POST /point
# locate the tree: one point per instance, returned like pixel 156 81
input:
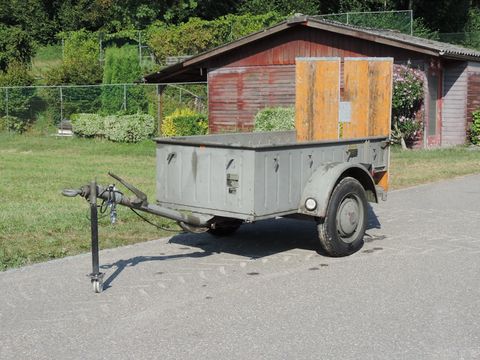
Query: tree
pixel 81 66
pixel 446 16
pixel 15 46
pixel 283 7
pixel 362 5
pixel 16 100
pixel 122 67
pixel 81 60
pixel 198 35
pixel 212 9
pixel 29 15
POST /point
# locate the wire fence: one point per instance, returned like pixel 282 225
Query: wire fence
pixel 53 104
pixel 401 20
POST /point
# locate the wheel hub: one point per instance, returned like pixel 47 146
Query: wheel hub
pixel 348 217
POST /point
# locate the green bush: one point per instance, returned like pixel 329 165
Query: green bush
pixel 275 119
pixel 122 67
pixel 19 99
pixel 43 125
pixel 88 125
pixel 129 128
pixel 475 128
pixel 120 128
pixel 197 35
pixel 81 64
pixel 185 122
pixel 13 123
pixel 16 45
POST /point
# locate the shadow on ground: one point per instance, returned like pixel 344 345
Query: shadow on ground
pixel 263 238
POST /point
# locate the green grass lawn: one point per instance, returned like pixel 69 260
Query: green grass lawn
pixel 409 168
pixel 37 223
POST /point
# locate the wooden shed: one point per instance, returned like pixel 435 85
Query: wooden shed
pixel 258 71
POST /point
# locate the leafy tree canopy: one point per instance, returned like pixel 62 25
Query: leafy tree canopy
pixel 197 35
pixel 81 63
pixel 15 46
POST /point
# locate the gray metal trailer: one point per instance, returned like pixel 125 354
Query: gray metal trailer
pixel 217 182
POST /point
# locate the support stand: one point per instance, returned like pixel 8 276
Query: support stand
pixel 96 276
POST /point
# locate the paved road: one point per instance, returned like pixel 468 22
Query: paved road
pixel 412 292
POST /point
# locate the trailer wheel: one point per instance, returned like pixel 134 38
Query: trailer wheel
pixel 97 286
pixel 342 229
pixel 225 227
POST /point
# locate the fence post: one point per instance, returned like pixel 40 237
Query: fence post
pixel 124 97
pixel 411 22
pixel 61 104
pixel 6 101
pixel 160 89
pixel 139 48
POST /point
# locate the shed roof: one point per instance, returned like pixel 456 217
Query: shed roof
pixel 191 69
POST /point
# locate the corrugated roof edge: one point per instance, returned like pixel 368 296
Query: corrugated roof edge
pixel 441 47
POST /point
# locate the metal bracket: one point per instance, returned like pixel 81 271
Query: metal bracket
pixel 141 196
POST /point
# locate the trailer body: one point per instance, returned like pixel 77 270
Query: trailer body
pixel 255 176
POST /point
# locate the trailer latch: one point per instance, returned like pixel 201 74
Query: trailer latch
pixel 232 183
pixel 352 151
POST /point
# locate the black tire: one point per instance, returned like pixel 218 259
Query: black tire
pixel 342 229
pixel 225 227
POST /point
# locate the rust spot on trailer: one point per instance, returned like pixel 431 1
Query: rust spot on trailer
pixel 382 180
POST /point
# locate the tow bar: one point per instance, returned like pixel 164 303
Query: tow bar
pixel 113 197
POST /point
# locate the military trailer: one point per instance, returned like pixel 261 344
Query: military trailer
pixel 215 183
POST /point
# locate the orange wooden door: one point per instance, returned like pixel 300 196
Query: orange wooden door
pixel 317 98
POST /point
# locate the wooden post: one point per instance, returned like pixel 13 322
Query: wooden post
pixel 160 89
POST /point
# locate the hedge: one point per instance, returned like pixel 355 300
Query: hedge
pixel 184 122
pixel 88 125
pixel 275 119
pixel 120 128
pixel 129 128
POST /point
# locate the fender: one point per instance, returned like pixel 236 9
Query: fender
pixel 322 182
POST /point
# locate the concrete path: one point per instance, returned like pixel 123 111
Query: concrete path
pixel 412 292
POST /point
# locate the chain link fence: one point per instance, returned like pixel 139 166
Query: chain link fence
pixel 54 104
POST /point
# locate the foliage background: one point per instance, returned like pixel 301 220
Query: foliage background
pixel 275 119
pixel 76 42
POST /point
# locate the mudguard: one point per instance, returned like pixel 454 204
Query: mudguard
pixel 322 182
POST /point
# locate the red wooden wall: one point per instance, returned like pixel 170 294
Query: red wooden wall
pixel 236 94
pixel 262 73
